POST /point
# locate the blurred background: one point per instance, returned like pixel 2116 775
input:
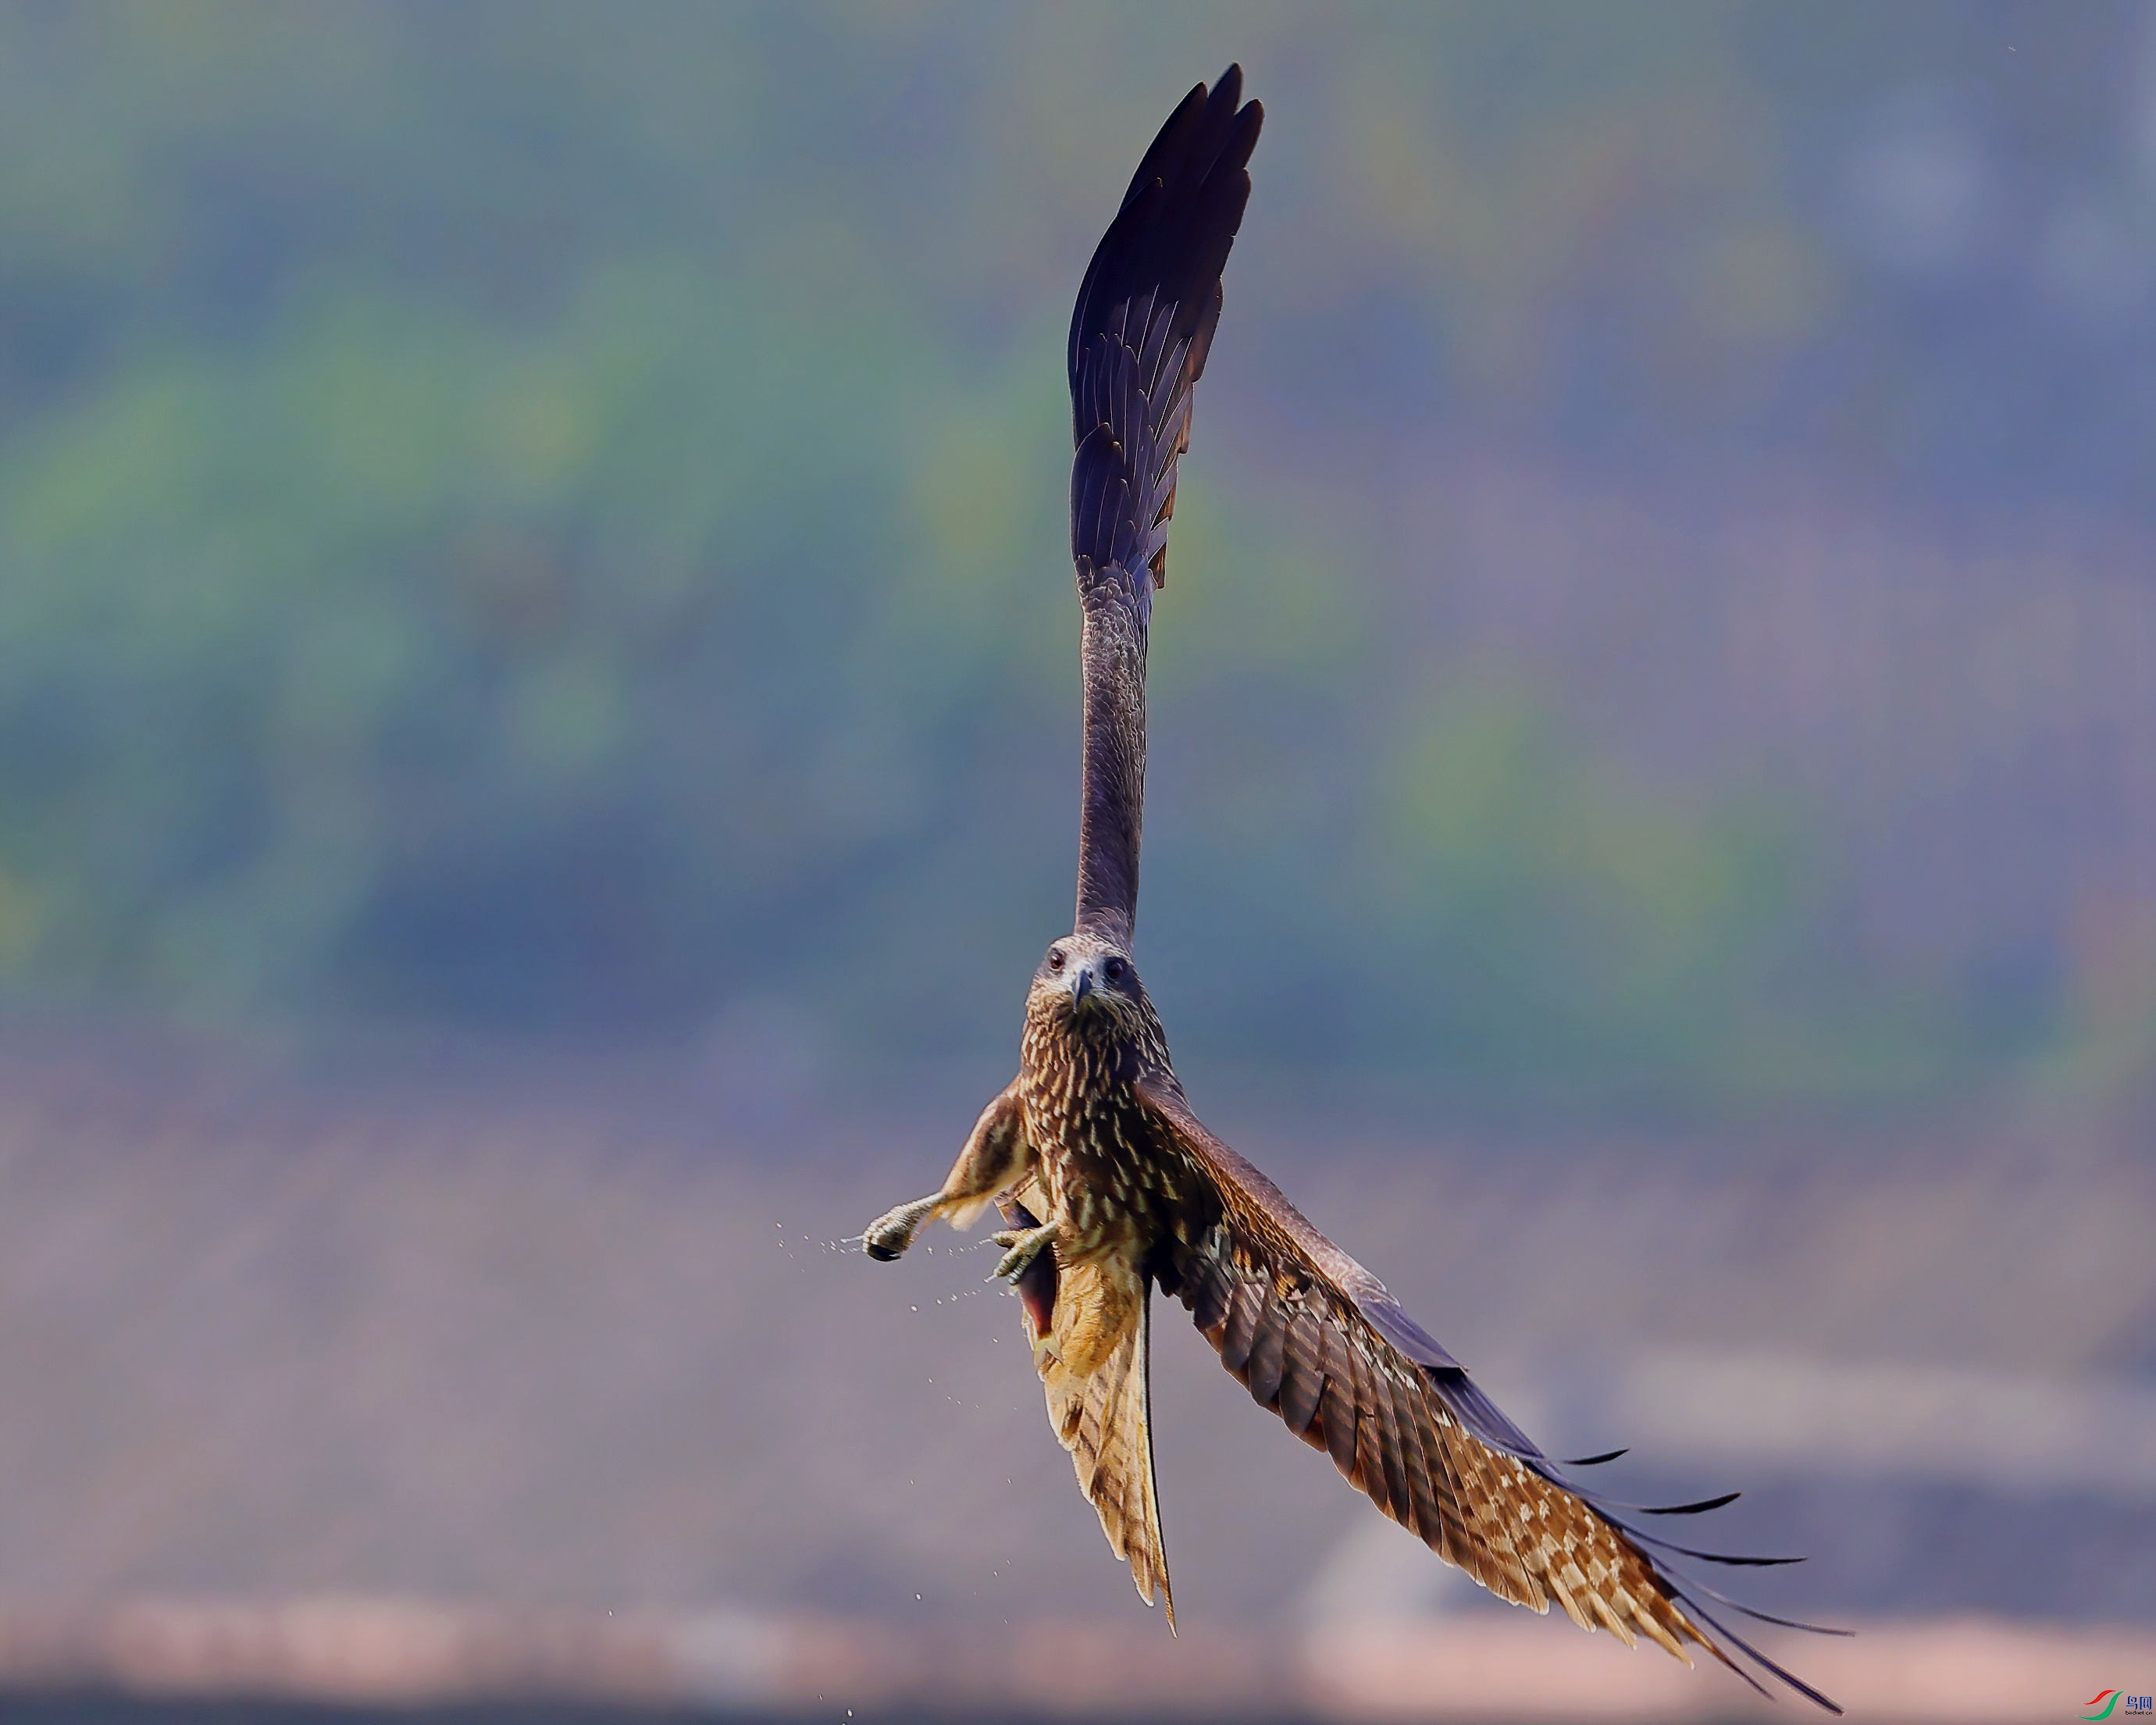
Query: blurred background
pixel 538 748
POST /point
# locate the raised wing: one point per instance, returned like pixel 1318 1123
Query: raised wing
pixel 1316 1338
pixel 1139 335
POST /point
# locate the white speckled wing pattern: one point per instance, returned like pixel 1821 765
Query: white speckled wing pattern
pixel 1315 1337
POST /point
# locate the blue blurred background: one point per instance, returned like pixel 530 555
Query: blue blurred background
pixel 549 519
pixel 532 572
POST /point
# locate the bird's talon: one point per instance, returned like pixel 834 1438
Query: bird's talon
pixel 892 1232
pixel 1025 1245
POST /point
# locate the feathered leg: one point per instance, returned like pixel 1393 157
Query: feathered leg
pixel 997 1157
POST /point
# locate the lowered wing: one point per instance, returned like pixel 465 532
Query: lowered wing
pixel 1316 1338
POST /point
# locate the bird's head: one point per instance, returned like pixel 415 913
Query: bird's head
pixel 1087 984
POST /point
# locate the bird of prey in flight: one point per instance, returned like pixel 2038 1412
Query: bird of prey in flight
pixel 1109 1184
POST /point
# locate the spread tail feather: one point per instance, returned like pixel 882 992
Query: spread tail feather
pixel 1103 1418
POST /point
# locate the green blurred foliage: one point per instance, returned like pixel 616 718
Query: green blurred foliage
pixel 549 515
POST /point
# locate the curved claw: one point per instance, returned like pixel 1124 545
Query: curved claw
pixel 1025 1245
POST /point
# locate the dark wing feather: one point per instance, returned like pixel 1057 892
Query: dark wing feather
pixel 1313 1333
pixel 1139 335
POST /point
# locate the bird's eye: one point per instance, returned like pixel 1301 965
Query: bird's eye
pixel 1116 967
pixel 1055 958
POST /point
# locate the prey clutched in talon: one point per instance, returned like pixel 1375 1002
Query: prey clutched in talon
pixel 892 1232
pixel 1025 1245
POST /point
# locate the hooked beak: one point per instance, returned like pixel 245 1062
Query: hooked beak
pixel 1081 985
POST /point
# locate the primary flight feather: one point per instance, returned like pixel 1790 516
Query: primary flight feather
pixel 1110 1185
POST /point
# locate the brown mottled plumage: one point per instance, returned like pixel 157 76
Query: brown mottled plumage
pixel 1094 1135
